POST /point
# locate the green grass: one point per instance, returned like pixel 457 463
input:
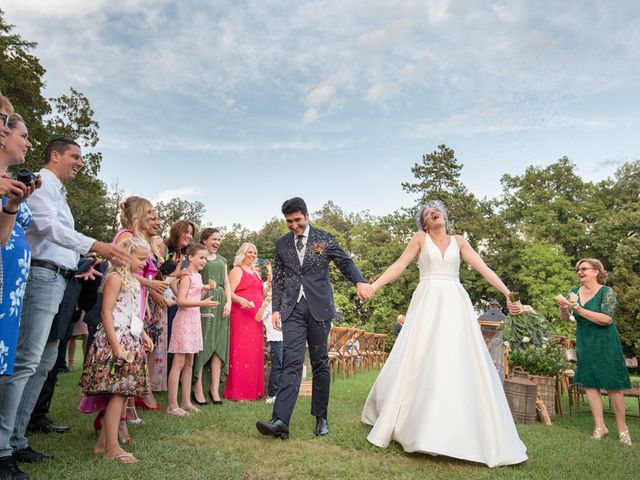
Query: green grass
pixel 221 442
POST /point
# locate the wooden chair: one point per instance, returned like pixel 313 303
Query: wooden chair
pixel 335 345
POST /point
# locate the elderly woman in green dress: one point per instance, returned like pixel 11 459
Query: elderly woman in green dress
pixel 601 362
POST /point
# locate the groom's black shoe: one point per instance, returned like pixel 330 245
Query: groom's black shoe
pixel 322 427
pixel 274 428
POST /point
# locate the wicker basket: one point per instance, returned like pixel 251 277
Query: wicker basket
pixel 547 392
pixel 521 396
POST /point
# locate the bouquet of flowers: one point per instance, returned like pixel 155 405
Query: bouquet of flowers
pixel 526 328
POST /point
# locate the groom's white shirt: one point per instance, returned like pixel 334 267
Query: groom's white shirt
pixel 305 237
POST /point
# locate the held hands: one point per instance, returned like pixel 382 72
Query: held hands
pixel 365 291
pixel 147 343
pixel 244 303
pixel 275 321
pixel 208 303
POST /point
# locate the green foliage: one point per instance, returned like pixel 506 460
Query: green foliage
pixel 179 209
pixel 547 360
pixel 544 271
pixel 22 80
pixel 527 328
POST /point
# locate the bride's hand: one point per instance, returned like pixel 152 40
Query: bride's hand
pixel 514 308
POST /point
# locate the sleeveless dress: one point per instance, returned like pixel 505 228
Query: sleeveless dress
pixel 186 336
pixel 600 357
pixel 215 327
pixel 439 391
pixel 103 373
pixel 16 258
pixel 246 343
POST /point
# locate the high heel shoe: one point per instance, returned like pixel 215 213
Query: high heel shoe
pixel 625 438
pixel 195 400
pixel 139 402
pixel 215 402
pixel 599 433
pixel 132 414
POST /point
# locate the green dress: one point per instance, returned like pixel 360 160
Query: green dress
pixel 600 358
pixel 215 327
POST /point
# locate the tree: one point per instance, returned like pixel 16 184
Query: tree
pixel 179 209
pixel 21 79
pixel 551 204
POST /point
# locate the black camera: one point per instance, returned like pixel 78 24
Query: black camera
pixel 168 267
pixel 26 176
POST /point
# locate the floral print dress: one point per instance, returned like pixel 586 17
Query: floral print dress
pixel 16 258
pixel 104 374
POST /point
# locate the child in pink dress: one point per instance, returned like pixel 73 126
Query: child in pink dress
pixel 186 335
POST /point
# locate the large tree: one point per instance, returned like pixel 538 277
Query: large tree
pixel 70 115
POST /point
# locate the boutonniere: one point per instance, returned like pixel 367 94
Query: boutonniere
pixel 318 247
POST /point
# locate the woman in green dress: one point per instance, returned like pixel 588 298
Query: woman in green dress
pixel 211 364
pixel 601 362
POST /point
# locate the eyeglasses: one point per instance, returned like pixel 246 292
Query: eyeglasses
pixel 584 269
pixel 4 120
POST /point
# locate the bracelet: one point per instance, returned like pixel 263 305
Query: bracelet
pixel 9 212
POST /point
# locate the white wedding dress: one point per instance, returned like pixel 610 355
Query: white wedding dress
pixel 439 391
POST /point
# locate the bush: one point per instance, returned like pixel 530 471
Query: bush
pixel 547 360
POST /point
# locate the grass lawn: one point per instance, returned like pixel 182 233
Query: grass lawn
pixel 221 442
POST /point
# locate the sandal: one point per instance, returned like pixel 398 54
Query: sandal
pixel 190 408
pixel 123 457
pixel 599 433
pixel 132 414
pixel 177 412
pixel 625 438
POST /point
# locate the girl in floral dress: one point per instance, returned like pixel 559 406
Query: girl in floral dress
pixel 116 365
pixel 186 337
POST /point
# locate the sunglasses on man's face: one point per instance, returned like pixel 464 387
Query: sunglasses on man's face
pixel 4 120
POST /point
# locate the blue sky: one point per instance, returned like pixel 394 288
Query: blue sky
pixel 242 104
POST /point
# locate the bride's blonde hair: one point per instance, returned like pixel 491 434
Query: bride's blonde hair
pixel 128 280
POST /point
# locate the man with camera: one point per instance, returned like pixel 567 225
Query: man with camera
pixel 55 251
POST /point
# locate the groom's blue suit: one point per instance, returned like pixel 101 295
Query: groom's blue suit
pixel 309 319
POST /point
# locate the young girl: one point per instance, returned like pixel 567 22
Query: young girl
pixel 116 364
pixel 186 335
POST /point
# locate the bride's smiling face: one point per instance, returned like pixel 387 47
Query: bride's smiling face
pixel 433 218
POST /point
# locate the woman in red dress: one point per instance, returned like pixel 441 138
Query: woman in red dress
pixel 246 343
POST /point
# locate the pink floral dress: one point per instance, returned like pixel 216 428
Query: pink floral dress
pixel 186 334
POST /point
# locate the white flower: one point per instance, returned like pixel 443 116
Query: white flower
pixel 526 339
pixel 506 343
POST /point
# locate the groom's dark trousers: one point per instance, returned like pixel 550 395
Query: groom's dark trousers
pixel 298 328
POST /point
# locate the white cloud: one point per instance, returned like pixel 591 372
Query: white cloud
pixel 181 192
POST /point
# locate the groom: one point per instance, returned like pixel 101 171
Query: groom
pixel 303 308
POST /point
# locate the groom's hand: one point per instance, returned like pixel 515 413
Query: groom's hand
pixel 275 321
pixel 365 291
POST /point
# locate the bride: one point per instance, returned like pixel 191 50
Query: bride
pixel 439 391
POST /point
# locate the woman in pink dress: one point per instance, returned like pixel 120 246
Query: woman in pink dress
pixel 246 343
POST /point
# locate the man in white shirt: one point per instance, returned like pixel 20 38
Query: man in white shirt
pixel 55 252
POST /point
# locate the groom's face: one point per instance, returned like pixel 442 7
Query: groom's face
pixel 297 222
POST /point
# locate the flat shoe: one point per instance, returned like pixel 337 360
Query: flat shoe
pixel 125 458
pixel 177 412
pixel 190 408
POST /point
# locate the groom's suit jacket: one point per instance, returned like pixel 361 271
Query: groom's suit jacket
pixel 313 274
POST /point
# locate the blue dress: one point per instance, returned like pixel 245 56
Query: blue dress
pixel 16 259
